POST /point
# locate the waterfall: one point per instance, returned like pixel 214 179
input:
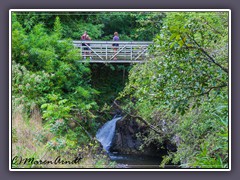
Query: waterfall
pixel 106 133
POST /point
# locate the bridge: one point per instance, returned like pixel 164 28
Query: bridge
pixel 105 52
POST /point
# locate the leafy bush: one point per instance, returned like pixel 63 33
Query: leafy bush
pixel 182 91
pixel 46 73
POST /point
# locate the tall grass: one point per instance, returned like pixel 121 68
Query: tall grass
pixel 29 140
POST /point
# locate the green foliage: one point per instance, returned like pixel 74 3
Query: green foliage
pixel 181 73
pixel 48 57
pixel 109 80
pixel 56 144
pixel 99 25
pixel 204 132
pixel 72 25
pixel 58 28
pixel 147 25
pixel 183 89
pixel 18 37
pixel 76 29
pixel 46 73
pixel 122 22
pixel 14 135
pixel 29 87
pixel 56 109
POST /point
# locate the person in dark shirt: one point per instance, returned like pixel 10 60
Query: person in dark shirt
pixel 115 45
pixel 88 46
pixel 85 48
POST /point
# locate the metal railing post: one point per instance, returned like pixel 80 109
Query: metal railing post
pixel 106 50
pixel 131 52
pixel 81 51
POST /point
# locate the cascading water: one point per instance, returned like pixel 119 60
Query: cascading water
pixel 106 133
pixel 105 136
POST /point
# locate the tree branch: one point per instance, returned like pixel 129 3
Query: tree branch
pixel 140 118
pixel 89 135
pixel 206 54
pixel 212 28
pixel 209 90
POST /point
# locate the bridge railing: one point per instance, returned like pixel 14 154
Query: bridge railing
pixel 104 51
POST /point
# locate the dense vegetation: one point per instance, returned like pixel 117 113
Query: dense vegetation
pixel 182 90
pixel 100 25
pixel 47 78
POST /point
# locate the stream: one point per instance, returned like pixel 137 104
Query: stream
pixel 135 161
pixel 105 136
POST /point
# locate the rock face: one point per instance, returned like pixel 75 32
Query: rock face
pixel 125 140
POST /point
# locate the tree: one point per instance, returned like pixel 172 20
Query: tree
pixel 186 85
pixel 147 26
pixel 46 72
pixel 191 60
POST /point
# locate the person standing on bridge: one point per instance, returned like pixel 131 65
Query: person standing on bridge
pixel 115 45
pixel 88 46
pixel 85 48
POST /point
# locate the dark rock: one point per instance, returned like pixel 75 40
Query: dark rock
pixel 130 129
pixel 118 140
pixel 126 141
pixel 130 143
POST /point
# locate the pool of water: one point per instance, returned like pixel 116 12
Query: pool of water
pixel 136 161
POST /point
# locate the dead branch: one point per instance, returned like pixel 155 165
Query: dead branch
pixel 88 134
pixel 138 117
